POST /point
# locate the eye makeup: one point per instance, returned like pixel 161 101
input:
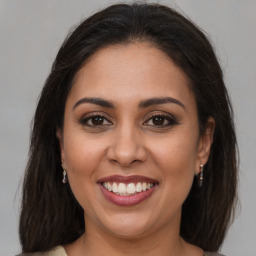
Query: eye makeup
pixel 95 120
pixel 154 120
pixel 160 120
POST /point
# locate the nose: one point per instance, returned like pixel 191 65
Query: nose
pixel 127 147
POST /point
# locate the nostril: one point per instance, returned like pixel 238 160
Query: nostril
pixel 126 157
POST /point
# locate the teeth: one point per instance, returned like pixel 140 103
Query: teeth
pixel 127 189
pixel 130 189
pixel 121 188
pixel 109 187
pixel 114 187
pixel 138 187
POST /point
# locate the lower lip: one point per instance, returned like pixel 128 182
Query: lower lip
pixel 127 200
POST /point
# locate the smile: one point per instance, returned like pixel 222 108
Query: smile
pixel 127 190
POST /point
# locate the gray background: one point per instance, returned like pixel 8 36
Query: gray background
pixel 30 35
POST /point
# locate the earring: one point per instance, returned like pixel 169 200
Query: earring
pixel 65 179
pixel 201 176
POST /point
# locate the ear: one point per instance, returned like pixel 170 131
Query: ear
pixel 59 135
pixel 204 144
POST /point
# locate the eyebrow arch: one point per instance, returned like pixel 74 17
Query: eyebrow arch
pixel 96 101
pixel 158 101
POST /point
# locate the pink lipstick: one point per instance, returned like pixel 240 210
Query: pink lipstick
pixel 127 190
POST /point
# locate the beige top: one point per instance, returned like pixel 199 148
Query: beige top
pixel 56 251
pixel 60 251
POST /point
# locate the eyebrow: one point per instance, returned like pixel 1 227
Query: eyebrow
pixel 159 101
pixel 143 104
pixel 96 101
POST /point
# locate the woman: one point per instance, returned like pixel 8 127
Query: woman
pixel 133 149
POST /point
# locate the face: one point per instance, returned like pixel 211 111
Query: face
pixel 130 142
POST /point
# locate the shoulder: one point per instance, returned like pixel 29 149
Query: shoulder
pixel 56 251
pixel 213 254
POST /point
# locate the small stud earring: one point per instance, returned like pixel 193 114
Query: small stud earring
pixel 65 179
pixel 201 176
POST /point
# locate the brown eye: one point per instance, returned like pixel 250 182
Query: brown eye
pixel 158 120
pixel 95 121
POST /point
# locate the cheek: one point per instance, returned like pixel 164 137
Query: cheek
pixel 176 157
pixel 176 151
pixel 83 153
pixel 82 156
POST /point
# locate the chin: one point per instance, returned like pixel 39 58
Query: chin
pixel 128 232
pixel 127 226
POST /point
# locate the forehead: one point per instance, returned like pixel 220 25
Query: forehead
pixel 131 71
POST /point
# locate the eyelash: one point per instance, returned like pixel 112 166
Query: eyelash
pixel 171 121
pixel 88 118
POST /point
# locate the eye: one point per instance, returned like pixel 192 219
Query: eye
pixel 95 120
pixel 160 120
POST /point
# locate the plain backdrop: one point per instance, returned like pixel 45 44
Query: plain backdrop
pixel 31 33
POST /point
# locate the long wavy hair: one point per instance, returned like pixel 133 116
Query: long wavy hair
pixel 50 215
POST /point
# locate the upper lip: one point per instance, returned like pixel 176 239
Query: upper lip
pixel 127 179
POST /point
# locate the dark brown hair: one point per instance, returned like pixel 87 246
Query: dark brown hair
pixel 50 215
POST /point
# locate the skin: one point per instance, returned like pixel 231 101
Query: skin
pixel 129 142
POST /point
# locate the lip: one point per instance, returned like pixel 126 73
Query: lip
pixel 127 200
